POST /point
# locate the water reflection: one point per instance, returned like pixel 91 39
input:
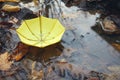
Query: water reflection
pixel 44 54
pixel 91 50
pixel 83 47
pixel 113 39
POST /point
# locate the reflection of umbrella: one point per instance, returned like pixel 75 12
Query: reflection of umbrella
pixel 40 32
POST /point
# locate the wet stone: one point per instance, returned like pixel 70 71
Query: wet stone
pixel 23 75
pixel 3 16
pixel 23 14
pixel 5 39
pixel 111 24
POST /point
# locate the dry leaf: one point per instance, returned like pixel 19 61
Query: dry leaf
pixel 20 51
pixel 117 46
pixel 10 8
pixel 36 3
pixel 4 63
pixel 9 0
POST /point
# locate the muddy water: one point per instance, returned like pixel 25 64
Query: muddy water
pixel 80 45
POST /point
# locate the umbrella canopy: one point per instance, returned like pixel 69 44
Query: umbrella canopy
pixel 41 31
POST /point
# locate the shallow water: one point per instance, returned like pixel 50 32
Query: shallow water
pixel 80 51
pixel 81 45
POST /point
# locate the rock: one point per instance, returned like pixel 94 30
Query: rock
pixel 5 40
pixel 10 8
pixel 3 16
pixel 8 39
pixel 110 24
pixel 23 14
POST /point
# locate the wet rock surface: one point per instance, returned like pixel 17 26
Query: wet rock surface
pixel 110 24
pixel 58 70
pixel 5 35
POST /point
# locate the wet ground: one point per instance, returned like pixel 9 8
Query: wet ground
pixel 82 47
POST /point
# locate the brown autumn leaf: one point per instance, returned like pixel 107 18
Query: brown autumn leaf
pixel 20 51
pixel 4 63
pixel 117 46
pixel 9 0
pixel 36 3
pixel 10 8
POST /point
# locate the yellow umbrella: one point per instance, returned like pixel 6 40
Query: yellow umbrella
pixel 40 32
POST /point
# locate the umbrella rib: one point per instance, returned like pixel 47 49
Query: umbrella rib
pixel 40 27
pixel 35 43
pixel 50 31
pixel 26 37
pixel 57 34
pixel 30 30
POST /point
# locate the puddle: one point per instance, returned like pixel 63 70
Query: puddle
pixel 82 46
pixel 45 54
pixel 112 39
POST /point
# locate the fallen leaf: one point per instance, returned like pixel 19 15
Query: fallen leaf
pixel 9 0
pixel 4 63
pixel 10 8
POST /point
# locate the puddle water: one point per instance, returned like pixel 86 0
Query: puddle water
pixel 80 45
pixel 92 51
pixel 44 54
pixel 112 39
